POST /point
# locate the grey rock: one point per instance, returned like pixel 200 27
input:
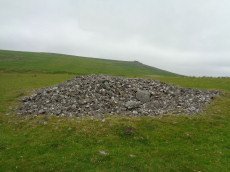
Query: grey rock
pixel 104 153
pixel 132 104
pixel 41 111
pixel 143 96
pixel 99 95
pixel 135 112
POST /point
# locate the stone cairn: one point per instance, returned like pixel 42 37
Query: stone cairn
pixel 99 95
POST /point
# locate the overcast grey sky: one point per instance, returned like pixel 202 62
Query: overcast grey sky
pixel 189 37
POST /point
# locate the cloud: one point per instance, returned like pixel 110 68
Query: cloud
pixel 187 37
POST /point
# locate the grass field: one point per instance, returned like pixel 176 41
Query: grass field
pixel 166 143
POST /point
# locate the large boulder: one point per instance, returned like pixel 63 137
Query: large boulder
pixel 143 96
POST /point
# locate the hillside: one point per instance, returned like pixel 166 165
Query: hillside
pixel 59 63
pixel 115 143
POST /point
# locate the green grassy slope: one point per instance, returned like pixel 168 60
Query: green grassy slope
pixel 166 143
pixel 169 143
pixel 59 63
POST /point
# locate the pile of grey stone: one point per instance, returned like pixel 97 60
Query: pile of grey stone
pixel 99 95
